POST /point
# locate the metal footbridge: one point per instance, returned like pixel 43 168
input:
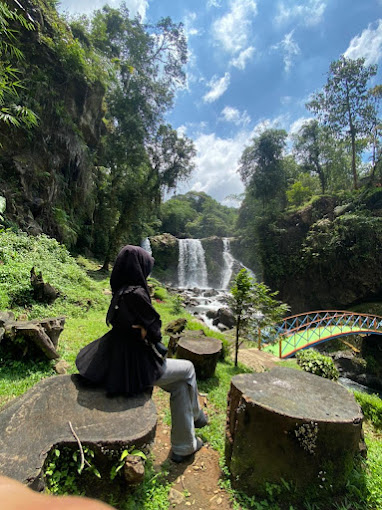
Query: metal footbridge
pixel 309 329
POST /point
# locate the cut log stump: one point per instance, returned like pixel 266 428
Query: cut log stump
pixel 291 425
pixel 204 353
pixel 38 420
pixel 43 333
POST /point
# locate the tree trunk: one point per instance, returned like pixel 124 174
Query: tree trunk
pixel 289 424
pixel 237 340
pixel 121 228
pixel 352 134
pixel 353 157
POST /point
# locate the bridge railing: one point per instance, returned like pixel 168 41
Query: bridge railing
pixel 316 326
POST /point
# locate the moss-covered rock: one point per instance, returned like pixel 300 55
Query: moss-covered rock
pixel 165 249
pixel 213 252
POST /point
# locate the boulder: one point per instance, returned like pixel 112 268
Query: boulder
pixel 212 314
pixel 226 317
pixel 38 420
pixel 134 470
pixel 292 425
pixel 176 326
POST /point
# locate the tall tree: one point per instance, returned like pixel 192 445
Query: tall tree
pixel 142 155
pixel 376 133
pixel 261 165
pixel 309 148
pixel 344 103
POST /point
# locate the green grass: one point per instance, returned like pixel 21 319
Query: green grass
pixel 217 388
pixel 84 302
pixel 372 408
pixel 16 377
pixel 78 291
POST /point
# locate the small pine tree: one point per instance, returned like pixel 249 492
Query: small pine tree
pixel 254 307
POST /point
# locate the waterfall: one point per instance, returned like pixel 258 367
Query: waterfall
pixel 192 269
pixel 228 264
pixel 145 244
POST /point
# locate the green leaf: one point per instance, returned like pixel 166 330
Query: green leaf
pixel 138 453
pixel 124 454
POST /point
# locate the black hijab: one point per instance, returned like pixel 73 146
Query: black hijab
pixel 132 267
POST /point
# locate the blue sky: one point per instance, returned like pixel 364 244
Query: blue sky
pixel 253 64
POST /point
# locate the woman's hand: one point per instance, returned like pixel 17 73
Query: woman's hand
pixel 143 330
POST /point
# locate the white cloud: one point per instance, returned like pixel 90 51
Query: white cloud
pixel 285 100
pixel 279 122
pixel 231 114
pixel 217 88
pixel 241 60
pixel 216 165
pixel 213 3
pixel 87 6
pixel 297 124
pixel 367 45
pixel 309 13
pixel 182 130
pixel 289 48
pixel 188 21
pixel 232 30
pixel 217 159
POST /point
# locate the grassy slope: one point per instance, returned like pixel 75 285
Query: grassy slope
pixel 83 285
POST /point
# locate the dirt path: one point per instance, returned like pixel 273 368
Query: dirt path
pixel 196 482
pixel 257 360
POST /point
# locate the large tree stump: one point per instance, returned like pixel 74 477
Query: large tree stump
pixel 42 291
pixel 203 352
pixel 292 425
pixel 38 420
pixel 43 333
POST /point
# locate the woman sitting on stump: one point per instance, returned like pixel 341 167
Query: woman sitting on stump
pixel 130 358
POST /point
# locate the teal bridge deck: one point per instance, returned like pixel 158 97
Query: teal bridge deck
pixel 308 329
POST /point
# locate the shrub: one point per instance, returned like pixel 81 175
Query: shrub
pixel 318 364
pixel 371 406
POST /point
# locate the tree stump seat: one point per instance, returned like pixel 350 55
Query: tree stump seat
pixel 292 425
pixel 32 424
pixel 204 353
pixel 43 333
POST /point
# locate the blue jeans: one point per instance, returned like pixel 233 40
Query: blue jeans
pixel 179 380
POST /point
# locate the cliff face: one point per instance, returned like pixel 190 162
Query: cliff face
pixel 165 250
pixel 326 256
pixel 46 174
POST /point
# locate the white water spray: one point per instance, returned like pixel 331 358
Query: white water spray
pixel 192 269
pixel 145 244
pixel 228 264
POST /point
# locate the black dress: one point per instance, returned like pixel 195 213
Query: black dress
pixel 120 360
